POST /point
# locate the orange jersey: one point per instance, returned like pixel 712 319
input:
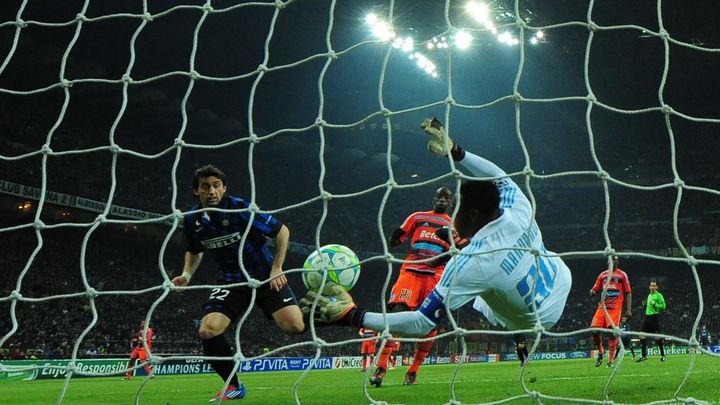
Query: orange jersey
pixel 140 335
pixel 616 290
pixel 600 320
pixel 420 227
pixel 368 346
pixel 411 289
pixel 366 333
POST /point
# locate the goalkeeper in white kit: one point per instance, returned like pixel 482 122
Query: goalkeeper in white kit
pixel 514 281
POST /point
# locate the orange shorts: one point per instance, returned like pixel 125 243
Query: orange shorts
pixel 368 347
pixel 139 353
pixel 411 289
pixel 601 321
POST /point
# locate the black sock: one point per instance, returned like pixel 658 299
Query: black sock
pixel 643 349
pixel 522 354
pixel 662 347
pixel 219 347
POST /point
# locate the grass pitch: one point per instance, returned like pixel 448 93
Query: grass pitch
pixel 474 383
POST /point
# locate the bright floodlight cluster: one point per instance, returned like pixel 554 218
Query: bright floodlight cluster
pixel 462 39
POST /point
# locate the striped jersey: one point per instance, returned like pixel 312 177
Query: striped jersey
pixel 140 335
pixel 616 290
pixel 420 227
pixel 367 333
pixel 220 233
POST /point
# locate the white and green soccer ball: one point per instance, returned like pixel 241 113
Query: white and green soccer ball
pixel 337 264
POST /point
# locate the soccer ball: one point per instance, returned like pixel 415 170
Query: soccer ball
pixel 338 264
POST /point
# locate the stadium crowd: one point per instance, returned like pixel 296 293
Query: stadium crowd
pixel 121 262
pixel 122 266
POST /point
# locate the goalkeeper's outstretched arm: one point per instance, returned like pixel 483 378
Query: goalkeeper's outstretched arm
pixel 440 144
pixel 408 323
pixel 338 308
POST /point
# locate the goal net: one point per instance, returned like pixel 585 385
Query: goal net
pixel 604 112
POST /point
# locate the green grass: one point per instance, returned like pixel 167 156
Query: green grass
pixel 475 383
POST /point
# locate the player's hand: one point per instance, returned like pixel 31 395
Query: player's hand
pixel 277 283
pixel 439 143
pixel 652 302
pixel 180 281
pixel 330 308
pixel 444 234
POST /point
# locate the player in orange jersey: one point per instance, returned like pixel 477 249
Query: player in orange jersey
pixel 139 352
pixel 367 348
pixel 616 290
pixel 429 233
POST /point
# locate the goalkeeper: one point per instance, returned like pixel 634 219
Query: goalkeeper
pixel 514 281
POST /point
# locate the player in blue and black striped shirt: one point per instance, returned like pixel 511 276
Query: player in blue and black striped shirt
pixel 222 233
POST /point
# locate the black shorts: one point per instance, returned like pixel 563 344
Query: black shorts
pixel 518 339
pixel 234 301
pixel 651 324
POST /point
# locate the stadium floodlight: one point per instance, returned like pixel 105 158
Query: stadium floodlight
pixel 505 38
pixel 539 35
pixel 430 45
pixel 371 19
pixel 534 40
pixel 407 44
pixel 463 39
pixel 382 31
pixel 478 11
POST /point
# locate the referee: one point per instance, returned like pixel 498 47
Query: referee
pixel 654 305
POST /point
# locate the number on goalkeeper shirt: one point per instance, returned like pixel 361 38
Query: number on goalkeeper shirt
pixel 545 282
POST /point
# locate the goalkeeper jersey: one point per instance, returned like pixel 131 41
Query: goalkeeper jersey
pixel 141 335
pixel 508 284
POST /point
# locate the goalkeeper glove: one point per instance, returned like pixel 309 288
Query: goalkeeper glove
pixel 444 235
pixel 337 308
pixel 439 143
